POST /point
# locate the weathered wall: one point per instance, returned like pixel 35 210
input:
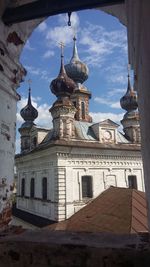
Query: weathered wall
pixel 60 249
pixel 12 40
pixel 138 13
pixel 135 15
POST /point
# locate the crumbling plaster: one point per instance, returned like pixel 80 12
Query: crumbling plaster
pixel 61 249
pixel 12 41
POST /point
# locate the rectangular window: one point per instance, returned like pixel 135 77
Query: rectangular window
pixel 74 102
pixel 44 188
pixel 132 181
pixel 83 110
pixel 23 187
pixel 87 187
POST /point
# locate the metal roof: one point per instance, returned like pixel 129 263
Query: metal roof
pixel 85 132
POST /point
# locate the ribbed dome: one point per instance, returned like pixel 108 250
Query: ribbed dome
pixel 129 100
pixel 62 85
pixel 29 113
pixel 77 70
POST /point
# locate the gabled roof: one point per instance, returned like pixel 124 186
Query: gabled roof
pixel 116 210
pixel 85 132
pixel 108 122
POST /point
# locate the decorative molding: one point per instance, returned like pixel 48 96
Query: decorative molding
pixel 60 193
pixel 105 163
pixel 125 156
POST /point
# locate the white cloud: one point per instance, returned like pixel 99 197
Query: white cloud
pixel 118 78
pixel 63 33
pixel 43 74
pixel 114 92
pixel 63 19
pixel 59 34
pixel 42 27
pixel 99 116
pixel 116 72
pixel 101 43
pixel 115 105
pixel 108 102
pixel 28 46
pixel 48 54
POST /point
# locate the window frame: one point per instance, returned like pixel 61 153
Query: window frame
pixel 32 188
pixel 132 183
pixel 88 185
pixel 44 189
pixel 23 187
pixel 83 110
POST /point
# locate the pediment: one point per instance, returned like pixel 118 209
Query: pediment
pixel 108 123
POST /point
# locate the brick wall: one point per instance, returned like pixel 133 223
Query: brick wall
pixel 60 249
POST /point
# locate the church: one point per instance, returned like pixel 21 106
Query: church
pixel 62 169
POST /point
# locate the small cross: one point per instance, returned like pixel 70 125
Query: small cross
pixel 29 82
pixel 62 45
pixel 129 68
pixel 74 34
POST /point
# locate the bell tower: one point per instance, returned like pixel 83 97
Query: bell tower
pixel 63 110
pixel 29 114
pixel 78 72
pixel 130 122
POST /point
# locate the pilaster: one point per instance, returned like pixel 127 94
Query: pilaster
pixel 60 194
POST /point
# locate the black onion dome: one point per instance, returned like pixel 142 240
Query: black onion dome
pixel 29 113
pixel 129 100
pixel 76 69
pixel 62 85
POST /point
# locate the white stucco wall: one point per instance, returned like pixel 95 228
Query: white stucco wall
pixel 64 170
pixel 37 166
pixel 107 167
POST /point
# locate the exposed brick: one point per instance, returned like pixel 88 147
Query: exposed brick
pixel 61 249
pixel 14 38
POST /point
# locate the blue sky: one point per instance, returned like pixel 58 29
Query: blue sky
pixel 102 45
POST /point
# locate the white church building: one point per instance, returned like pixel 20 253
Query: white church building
pixel 60 170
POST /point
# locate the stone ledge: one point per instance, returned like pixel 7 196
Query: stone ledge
pixel 60 249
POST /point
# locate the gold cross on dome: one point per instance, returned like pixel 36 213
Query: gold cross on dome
pixel 62 45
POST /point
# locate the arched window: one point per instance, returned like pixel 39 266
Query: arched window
pixel 32 188
pixel 87 186
pixel 132 181
pixel 23 187
pixel 44 188
pixel 83 110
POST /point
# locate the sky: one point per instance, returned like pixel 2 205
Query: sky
pixel 102 45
